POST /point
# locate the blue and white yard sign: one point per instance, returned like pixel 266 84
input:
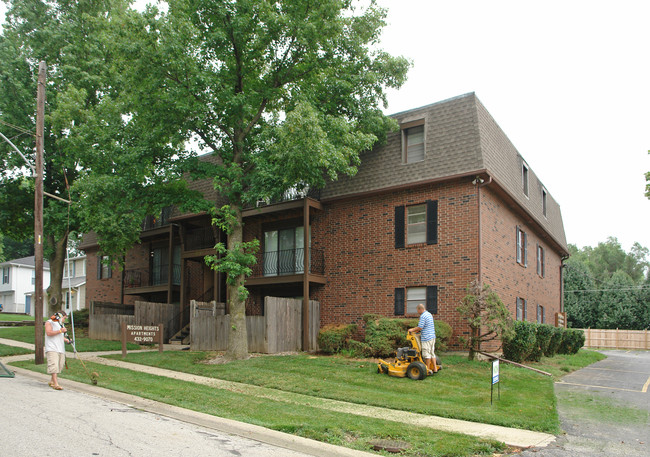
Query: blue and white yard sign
pixel 495 371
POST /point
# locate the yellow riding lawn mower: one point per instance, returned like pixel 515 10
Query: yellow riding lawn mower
pixel 408 362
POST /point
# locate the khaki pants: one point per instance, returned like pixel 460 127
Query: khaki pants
pixel 55 362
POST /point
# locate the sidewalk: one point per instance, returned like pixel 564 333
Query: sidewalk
pixel 510 436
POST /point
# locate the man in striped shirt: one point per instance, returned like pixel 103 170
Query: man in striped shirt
pixel 427 331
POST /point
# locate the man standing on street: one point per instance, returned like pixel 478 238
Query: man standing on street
pixel 427 330
pixel 55 347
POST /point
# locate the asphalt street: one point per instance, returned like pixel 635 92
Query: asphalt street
pixel 39 421
pixel 604 409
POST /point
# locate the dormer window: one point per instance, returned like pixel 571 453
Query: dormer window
pixel 524 178
pixel 544 202
pixel 413 141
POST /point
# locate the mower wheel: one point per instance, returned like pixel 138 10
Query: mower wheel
pixel 416 371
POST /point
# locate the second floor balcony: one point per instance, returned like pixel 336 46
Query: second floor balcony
pixel 151 280
pixel 287 265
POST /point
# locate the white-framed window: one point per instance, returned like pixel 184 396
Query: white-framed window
pixel 540 314
pixel 413 141
pixel 522 247
pixel 416 224
pixel 544 193
pixel 69 270
pixel 541 267
pixel 415 296
pixel 521 309
pixel 5 275
pixel 33 277
pixel 524 178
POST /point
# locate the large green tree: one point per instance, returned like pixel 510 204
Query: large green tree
pixel 114 169
pixel 606 287
pixel 285 93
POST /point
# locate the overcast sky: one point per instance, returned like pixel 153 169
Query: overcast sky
pixel 568 82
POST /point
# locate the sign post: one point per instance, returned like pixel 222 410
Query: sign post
pixel 141 334
pixel 495 379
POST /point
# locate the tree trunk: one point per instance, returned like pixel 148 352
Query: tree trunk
pixel 237 338
pixel 57 262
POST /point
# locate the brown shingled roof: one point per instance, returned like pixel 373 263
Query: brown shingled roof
pixel 461 138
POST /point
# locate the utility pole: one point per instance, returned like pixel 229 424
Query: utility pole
pixel 38 216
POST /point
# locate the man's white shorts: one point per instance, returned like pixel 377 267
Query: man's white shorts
pixel 55 362
pixel 428 348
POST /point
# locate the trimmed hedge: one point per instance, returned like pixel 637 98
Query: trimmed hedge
pixel 572 342
pixel 333 338
pixel 531 341
pixel 383 337
pixel 520 347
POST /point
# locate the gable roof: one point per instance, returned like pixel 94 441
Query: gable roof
pixel 461 140
pixel 25 262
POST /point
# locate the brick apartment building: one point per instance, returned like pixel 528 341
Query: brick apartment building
pixel 446 200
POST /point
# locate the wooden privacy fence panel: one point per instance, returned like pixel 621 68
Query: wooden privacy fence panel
pixel 108 326
pixel 279 330
pixel 617 339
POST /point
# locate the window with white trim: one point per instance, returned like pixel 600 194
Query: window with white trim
pixel 540 314
pixel 522 247
pixel 521 309
pixel 524 178
pixel 541 268
pixel 413 142
pixel 5 275
pixel 416 224
pixel 415 296
pixel 544 202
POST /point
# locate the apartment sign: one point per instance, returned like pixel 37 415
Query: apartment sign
pixel 141 334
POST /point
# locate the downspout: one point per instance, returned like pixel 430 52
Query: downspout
pixel 479 183
pixel 305 277
pixel 562 266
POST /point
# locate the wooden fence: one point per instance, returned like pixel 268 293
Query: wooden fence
pixel 279 330
pixel 105 322
pixel 617 339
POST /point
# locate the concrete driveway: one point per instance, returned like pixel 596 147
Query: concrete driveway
pixel 604 409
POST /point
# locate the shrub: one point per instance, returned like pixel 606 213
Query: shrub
pixel 384 335
pixel 443 333
pixel 536 353
pixel 573 340
pixel 81 318
pixel 557 334
pixel 544 335
pixel 334 337
pixel 358 349
pixel 521 345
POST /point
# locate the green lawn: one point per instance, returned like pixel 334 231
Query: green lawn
pixel 461 390
pixel 15 317
pixel 332 427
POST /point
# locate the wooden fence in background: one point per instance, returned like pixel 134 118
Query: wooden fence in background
pixel 617 339
pixel 105 319
pixel 279 330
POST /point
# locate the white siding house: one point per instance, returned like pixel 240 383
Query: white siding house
pixel 74 284
pixel 17 284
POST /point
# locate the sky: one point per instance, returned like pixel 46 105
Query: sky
pixel 567 81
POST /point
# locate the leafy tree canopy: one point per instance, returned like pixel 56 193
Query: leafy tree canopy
pixel 285 94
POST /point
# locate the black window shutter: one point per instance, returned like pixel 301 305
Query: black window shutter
pixel 399 227
pixel 110 268
pixel 99 266
pixel 399 301
pixel 525 303
pixel 432 299
pixel 432 222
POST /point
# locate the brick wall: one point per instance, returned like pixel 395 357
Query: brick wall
pixel 499 260
pixel 363 267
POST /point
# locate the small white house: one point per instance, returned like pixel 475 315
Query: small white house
pixel 17 284
pixel 74 283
